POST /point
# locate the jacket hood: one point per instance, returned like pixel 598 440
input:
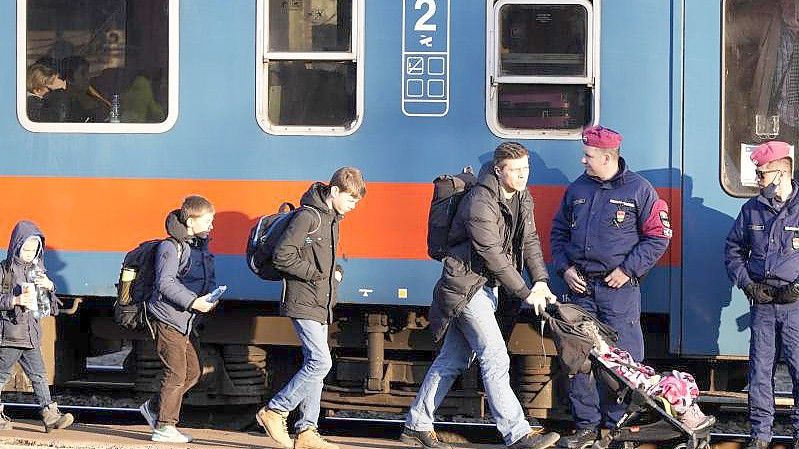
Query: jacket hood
pixel 175 228
pixel 315 197
pixel 22 231
pixel 488 178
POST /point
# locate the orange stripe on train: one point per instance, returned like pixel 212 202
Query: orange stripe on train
pixel 114 214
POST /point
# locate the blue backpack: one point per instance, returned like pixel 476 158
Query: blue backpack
pixel 264 237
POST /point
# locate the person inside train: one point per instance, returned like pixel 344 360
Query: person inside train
pixel 40 82
pixel 27 295
pixel 184 278
pixel 492 236
pixel 762 259
pixel 609 231
pixel 306 253
pixel 81 101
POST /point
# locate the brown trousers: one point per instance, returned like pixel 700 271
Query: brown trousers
pixel 180 360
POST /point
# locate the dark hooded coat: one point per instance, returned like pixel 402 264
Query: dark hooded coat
pixel 484 247
pixel 18 327
pixel 180 280
pixel 306 253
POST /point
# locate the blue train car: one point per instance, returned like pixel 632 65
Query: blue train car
pixel 247 102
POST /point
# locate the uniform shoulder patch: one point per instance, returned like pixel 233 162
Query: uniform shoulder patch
pixel 658 224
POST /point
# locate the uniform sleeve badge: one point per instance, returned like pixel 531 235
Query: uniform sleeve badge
pixel 664 219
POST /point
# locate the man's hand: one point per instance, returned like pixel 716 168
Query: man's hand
pixel 616 278
pixel 574 281
pixel 539 296
pixel 201 304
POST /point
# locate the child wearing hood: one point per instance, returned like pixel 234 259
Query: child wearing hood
pixel 306 253
pixel 20 312
pixel 184 277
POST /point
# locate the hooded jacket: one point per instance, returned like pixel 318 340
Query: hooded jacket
pixel 18 327
pixel 484 247
pixel 179 281
pixel 306 253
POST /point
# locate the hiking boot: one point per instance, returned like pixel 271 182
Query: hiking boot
pixel 54 419
pixel 422 438
pixel 169 434
pixel 535 440
pixel 310 439
pixel 758 444
pixel 694 419
pixel 148 414
pixel 274 424
pixel 5 422
pixel 579 439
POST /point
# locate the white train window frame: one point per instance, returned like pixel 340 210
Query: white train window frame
pixel 494 78
pixel 99 128
pixel 264 57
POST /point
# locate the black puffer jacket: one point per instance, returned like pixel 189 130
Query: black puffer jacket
pixel 481 250
pixel 306 253
pixel 18 327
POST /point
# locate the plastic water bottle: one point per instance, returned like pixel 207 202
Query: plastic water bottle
pixel 113 116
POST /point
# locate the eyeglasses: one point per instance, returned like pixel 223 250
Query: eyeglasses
pixel 761 174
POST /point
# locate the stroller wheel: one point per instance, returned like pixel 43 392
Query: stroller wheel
pixel 681 446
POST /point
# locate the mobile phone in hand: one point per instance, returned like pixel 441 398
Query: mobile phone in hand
pixel 217 293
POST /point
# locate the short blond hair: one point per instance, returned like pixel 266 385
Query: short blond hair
pixel 39 77
pixel 349 180
pixel 193 206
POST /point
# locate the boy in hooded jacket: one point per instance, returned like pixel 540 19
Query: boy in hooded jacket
pixel 184 277
pixel 27 296
pixel 306 253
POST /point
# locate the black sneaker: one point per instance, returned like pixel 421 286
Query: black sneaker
pixel 422 438
pixel 534 440
pixel 758 444
pixel 579 439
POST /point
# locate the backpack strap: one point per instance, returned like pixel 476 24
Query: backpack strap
pixel 5 285
pixel 318 215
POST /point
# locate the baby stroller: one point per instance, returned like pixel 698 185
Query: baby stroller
pixel 584 344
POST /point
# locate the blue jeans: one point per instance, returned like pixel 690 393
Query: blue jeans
pixel 473 334
pixel 619 308
pixel 774 327
pixel 305 388
pixel 33 366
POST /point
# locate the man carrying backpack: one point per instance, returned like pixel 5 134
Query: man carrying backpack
pixel 306 254
pixel 184 276
pixel 492 236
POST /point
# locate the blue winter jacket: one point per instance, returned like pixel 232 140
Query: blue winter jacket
pixel 178 282
pixel 763 244
pixel 602 225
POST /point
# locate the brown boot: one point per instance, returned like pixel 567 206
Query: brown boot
pixel 274 423
pixel 310 439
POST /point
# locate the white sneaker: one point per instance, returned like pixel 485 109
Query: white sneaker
pixel 148 414
pixel 169 434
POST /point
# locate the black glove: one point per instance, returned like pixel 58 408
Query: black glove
pixel 758 293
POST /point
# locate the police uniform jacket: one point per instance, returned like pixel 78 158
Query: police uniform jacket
pixel 484 247
pixel 763 245
pixel 602 225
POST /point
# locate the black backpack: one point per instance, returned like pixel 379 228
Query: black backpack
pixel 264 237
pixel 137 280
pixel 448 190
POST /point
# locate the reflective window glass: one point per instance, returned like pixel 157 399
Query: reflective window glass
pixel 544 106
pixel 310 25
pixel 543 40
pixel 95 61
pixel 760 99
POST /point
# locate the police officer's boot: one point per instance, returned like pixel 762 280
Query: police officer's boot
pixel 5 422
pixel 54 419
pixel 758 444
pixel 579 439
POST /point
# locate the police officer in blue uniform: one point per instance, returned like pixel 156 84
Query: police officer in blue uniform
pixel 762 258
pixel 610 230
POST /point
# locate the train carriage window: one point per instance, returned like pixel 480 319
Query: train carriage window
pixel 310 73
pixel 104 66
pixel 542 68
pixel 760 78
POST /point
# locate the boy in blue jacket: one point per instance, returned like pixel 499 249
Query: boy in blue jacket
pixel 26 296
pixel 184 276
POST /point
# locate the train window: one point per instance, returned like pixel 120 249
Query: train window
pixel 310 77
pixel 760 78
pixel 542 71
pixel 105 66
